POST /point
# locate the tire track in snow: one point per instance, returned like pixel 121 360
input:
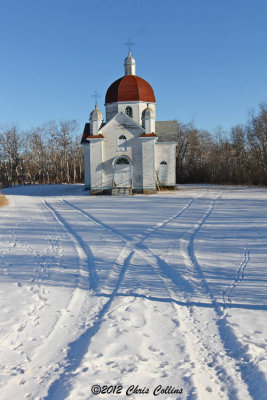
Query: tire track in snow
pixel 213 363
pixel 79 347
pixel 86 258
pixel 252 378
pixel 123 254
pixel 125 238
pixel 187 247
pixel 189 238
pixel 156 263
pixel 135 247
pixel 43 259
pixel 130 244
pixel 76 302
pixel 226 336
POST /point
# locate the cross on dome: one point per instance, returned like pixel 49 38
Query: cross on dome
pixel 129 44
pixel 96 95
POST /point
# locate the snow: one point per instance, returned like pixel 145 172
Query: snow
pixel 169 290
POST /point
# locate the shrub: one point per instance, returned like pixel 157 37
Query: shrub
pixel 3 200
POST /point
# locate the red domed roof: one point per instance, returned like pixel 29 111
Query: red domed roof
pixel 130 88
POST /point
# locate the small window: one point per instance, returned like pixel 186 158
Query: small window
pixel 121 143
pixel 129 111
pixel 163 163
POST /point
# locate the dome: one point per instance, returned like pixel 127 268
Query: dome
pixel 96 114
pixel 130 88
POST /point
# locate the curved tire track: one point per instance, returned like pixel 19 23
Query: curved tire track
pixel 249 374
pixel 86 258
pixel 197 343
pixel 79 347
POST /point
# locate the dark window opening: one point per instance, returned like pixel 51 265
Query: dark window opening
pixel 129 111
pixel 122 160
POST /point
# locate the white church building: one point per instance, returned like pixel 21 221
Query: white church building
pixel 131 151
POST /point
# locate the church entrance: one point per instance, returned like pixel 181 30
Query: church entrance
pixel 122 172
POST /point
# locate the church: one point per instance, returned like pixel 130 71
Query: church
pixel 130 152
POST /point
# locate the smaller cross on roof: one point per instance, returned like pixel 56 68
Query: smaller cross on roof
pixel 96 95
pixel 129 44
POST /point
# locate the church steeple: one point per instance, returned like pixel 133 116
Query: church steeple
pixel 129 65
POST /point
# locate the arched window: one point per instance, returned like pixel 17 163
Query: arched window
pixel 163 163
pixel 129 111
pixel 121 143
pixel 122 160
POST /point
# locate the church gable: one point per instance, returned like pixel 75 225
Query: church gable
pixel 121 122
pixel 121 137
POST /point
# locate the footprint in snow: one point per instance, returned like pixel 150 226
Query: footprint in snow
pixel 209 389
pixel 151 348
pixel 21 327
pixel 141 358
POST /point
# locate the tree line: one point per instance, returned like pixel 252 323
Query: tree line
pixel 51 153
pixel 237 158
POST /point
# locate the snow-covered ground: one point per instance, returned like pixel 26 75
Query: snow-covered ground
pixel 167 290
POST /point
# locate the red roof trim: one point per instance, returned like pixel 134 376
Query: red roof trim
pixel 148 135
pixel 100 136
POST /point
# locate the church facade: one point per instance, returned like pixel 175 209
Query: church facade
pixel 131 150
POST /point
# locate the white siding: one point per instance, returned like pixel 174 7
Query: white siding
pixel 148 154
pixel 96 163
pixel 167 152
pixel 122 125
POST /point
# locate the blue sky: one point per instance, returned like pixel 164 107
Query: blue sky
pixel 205 59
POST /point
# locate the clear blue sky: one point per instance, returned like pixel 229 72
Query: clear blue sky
pixel 205 59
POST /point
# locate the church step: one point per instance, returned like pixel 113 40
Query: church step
pixel 121 191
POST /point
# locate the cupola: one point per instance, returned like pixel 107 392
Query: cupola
pixel 130 65
pixel 148 120
pixel 96 119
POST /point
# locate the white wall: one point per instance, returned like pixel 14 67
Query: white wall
pixel 166 152
pixel 122 125
pixel 148 155
pixel 96 163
